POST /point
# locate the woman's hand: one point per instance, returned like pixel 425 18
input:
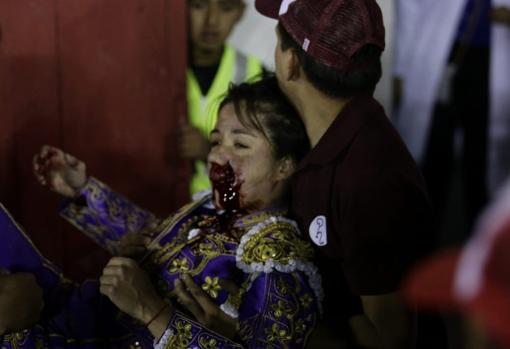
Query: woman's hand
pixel 131 290
pixel 21 302
pixel 61 172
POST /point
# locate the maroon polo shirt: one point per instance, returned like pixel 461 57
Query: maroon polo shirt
pixel 359 196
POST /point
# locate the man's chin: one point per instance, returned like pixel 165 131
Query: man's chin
pixel 209 48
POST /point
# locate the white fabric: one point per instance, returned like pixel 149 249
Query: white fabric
pixel 163 342
pixel 499 117
pixel 469 276
pixel 423 55
pixel 284 7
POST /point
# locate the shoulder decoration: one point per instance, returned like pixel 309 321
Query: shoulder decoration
pixel 274 245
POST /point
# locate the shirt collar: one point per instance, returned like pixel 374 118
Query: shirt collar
pixel 341 132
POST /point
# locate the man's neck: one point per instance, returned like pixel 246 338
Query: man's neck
pixel 318 111
pixel 206 58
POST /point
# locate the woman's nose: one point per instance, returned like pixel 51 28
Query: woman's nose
pixel 218 155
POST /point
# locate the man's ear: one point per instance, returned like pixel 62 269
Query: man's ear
pixel 240 11
pixel 286 168
pixel 293 65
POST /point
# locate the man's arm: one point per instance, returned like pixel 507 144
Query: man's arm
pixel 386 323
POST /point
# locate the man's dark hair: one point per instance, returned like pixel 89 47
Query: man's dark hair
pixel 360 79
pixel 262 106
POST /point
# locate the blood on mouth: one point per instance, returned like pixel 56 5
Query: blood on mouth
pixel 224 183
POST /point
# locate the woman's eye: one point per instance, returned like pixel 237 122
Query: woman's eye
pixel 214 143
pixel 240 145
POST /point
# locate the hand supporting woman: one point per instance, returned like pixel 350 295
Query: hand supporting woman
pixel 131 290
pixel 203 308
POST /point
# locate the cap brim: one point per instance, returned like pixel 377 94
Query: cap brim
pixel 268 8
pixel 430 284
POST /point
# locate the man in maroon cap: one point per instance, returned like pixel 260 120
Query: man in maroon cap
pixel 358 194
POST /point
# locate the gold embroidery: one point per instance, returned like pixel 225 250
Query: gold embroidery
pixel 179 265
pixel 306 301
pixel 169 249
pixel 300 327
pixel 258 217
pixel 205 249
pixel 206 343
pixel 277 334
pixel 277 241
pixel 183 335
pixel 282 287
pixel 283 309
pixel 16 338
pixel 212 286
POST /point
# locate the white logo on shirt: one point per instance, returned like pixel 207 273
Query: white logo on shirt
pixel 318 231
pixel 284 7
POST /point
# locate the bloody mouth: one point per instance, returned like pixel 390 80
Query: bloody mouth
pixel 224 183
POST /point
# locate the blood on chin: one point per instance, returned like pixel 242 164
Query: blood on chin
pixel 226 187
pixel 244 206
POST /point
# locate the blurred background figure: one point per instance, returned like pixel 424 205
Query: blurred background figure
pixel 474 280
pixel 446 103
pixel 499 126
pixel 213 65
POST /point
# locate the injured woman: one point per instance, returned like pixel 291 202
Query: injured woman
pixel 234 243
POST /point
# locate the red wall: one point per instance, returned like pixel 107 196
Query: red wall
pixel 104 80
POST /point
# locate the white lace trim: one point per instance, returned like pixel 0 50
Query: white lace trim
pixel 230 310
pixel 162 343
pixel 270 265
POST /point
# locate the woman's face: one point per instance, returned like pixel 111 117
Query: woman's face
pixel 258 175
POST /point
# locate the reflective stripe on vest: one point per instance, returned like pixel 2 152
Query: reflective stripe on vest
pixel 203 110
pixel 241 67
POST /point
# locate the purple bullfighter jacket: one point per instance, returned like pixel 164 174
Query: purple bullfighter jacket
pixel 277 305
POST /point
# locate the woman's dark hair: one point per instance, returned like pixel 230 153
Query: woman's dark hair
pixel 359 80
pixel 262 106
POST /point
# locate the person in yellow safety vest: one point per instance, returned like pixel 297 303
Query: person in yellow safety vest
pixel 213 65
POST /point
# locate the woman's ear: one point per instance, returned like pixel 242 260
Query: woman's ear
pixel 286 168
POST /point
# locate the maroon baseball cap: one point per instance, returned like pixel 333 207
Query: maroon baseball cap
pixel 331 31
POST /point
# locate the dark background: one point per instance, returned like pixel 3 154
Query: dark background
pixel 105 81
